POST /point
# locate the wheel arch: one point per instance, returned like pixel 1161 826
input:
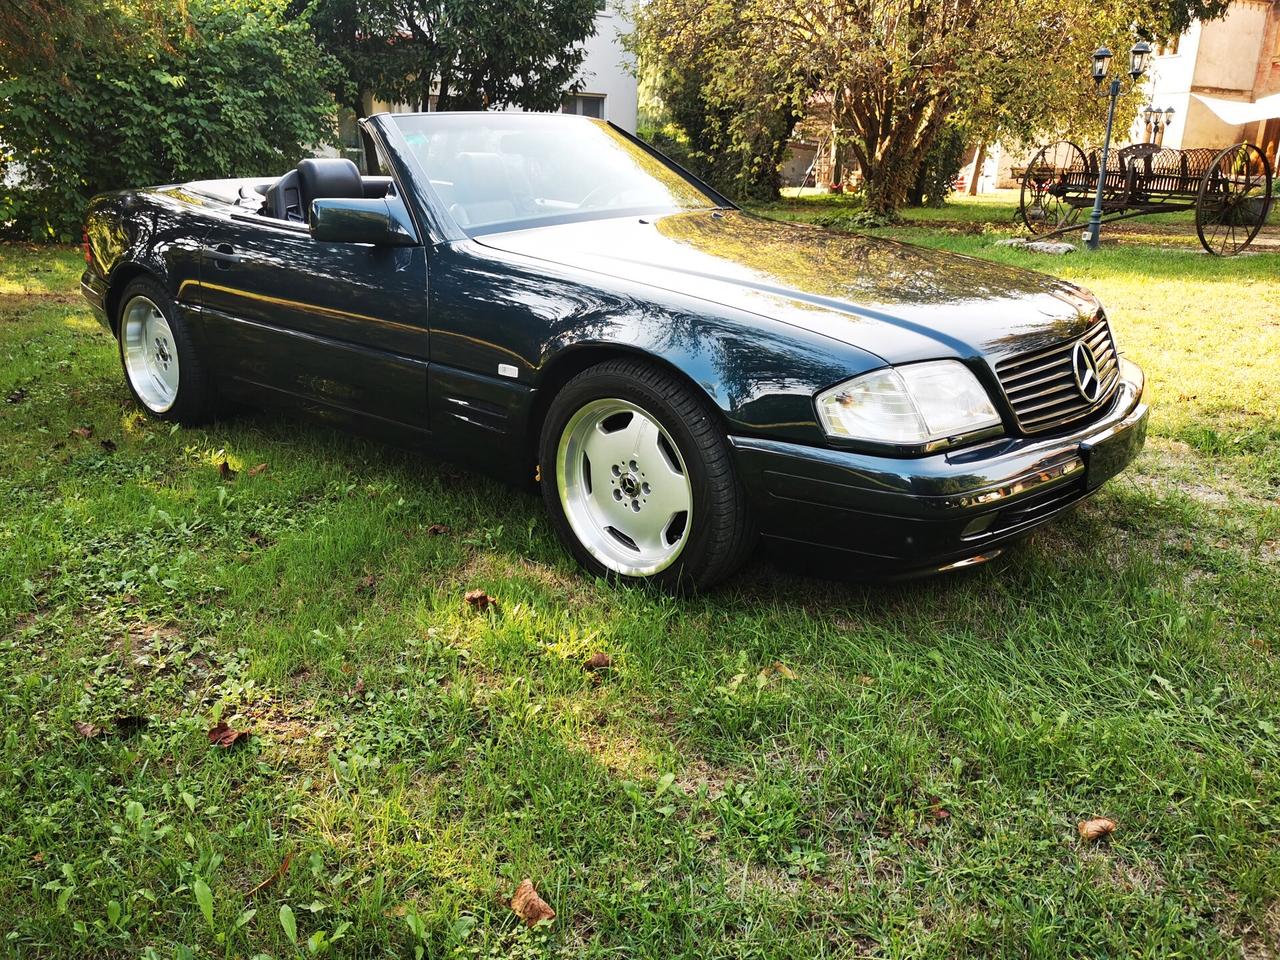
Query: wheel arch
pixel 121 277
pixel 573 360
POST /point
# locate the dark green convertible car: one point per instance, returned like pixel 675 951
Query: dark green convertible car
pixel 545 297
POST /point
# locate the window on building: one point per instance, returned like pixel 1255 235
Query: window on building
pixel 584 105
pixel 1168 48
pixel 602 5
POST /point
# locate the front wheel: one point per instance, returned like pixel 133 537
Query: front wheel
pixel 638 477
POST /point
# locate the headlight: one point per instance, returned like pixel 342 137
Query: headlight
pixel 912 405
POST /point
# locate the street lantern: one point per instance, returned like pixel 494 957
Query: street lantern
pixel 1139 57
pixel 1168 116
pixel 1146 115
pixel 1101 64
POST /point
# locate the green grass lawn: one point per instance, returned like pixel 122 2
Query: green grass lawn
pixel 785 768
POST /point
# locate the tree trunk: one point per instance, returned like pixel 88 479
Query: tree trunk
pixel 978 160
pixel 891 145
pixel 371 166
pixel 837 168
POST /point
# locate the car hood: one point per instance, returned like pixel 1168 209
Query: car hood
pixel 898 301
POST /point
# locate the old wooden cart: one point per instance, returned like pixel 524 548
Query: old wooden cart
pixel 1230 190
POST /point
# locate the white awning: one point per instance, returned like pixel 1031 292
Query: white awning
pixel 1239 112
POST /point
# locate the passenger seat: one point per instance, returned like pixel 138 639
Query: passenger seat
pixel 314 179
pixel 482 191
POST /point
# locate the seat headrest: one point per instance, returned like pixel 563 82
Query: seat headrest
pixel 328 177
pixel 481 177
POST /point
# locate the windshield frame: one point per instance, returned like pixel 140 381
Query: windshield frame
pixel 439 212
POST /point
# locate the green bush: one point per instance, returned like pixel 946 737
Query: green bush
pixel 233 88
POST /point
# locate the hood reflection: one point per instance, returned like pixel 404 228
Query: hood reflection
pixel 893 298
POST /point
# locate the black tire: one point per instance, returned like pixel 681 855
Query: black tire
pixel 721 535
pixel 196 399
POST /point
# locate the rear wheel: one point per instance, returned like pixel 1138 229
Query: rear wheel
pixel 162 365
pixel 639 481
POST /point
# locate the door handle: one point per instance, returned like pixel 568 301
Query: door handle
pixel 223 255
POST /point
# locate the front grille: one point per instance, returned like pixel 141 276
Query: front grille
pixel 1041 385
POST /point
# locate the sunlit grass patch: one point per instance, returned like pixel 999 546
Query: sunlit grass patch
pixel 787 767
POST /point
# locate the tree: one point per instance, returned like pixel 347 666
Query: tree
pixel 467 54
pixel 35 32
pixel 734 115
pixel 230 88
pixel 895 72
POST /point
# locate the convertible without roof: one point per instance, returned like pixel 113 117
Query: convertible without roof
pixel 545 296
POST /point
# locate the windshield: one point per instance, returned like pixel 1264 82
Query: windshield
pixel 506 171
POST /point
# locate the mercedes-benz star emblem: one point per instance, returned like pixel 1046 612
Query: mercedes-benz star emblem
pixel 1085 366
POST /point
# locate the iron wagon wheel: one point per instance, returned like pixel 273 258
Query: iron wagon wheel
pixel 1234 199
pixel 1056 175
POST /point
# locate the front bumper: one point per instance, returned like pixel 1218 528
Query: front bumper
pixel 888 516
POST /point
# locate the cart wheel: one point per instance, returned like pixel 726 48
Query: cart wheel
pixel 1054 187
pixel 1234 199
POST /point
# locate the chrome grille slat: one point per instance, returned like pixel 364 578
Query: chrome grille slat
pixel 1040 385
pixel 1072 397
pixel 1039 357
pixel 1053 364
pixel 1035 386
pixel 1038 352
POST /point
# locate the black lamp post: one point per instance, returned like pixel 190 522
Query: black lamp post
pixel 1139 57
pixel 1156 122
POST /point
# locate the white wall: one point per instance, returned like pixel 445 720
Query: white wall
pixel 1220 59
pixel 1227 59
pixel 609 70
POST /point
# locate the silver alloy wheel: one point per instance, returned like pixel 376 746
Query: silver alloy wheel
pixel 624 487
pixel 150 354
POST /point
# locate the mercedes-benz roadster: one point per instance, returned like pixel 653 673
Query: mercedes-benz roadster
pixel 547 297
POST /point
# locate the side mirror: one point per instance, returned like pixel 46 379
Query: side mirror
pixel 358 220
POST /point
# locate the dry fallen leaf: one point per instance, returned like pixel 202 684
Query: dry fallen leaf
pixel 437 530
pixel 17 396
pixel 479 600
pixel 225 737
pixel 84 433
pixel 357 690
pixel 255 471
pixel 368 585
pixel 598 663
pixel 280 872
pixel 1095 828
pixel 530 907
pixel 225 471
pixel 86 729
pixel 782 670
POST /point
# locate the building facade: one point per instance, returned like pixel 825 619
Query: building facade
pixel 608 85
pixel 1208 76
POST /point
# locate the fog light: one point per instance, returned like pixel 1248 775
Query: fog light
pixel 978 525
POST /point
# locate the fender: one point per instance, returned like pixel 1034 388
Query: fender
pixel 508 331
pixel 156 232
